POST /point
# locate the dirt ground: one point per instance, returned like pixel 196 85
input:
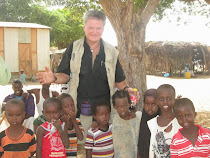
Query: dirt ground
pixel 196 89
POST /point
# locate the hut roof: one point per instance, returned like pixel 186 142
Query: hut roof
pixel 23 25
pixel 167 56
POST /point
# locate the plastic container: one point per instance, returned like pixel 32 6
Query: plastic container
pixel 187 75
pixel 133 98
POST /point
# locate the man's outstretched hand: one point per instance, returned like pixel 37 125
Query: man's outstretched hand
pixel 45 77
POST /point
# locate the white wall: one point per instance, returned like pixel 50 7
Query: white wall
pixel 11 48
pixel 43 45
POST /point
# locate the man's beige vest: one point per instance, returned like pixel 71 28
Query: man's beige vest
pixel 111 56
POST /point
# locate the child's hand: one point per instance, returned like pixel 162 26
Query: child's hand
pixel 65 118
pixel 57 125
pixel 94 125
pixel 72 116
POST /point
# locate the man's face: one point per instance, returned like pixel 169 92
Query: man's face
pixel 17 88
pixel 93 29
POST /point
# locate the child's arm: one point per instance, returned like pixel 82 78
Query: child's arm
pixel 79 132
pixel 63 133
pixel 88 153
pixel 40 133
pixel 72 118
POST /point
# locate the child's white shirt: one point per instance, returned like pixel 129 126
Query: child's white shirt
pixel 160 140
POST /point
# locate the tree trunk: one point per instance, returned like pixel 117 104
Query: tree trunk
pixel 129 24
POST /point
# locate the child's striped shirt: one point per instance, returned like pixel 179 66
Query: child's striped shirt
pixel 17 147
pixel 71 152
pixel 101 143
pixel 182 147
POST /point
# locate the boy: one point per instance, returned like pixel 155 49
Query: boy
pixel 23 77
pixel 28 100
pixel 16 141
pixel 191 140
pixel 99 142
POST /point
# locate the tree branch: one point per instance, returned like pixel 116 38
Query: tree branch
pixel 148 11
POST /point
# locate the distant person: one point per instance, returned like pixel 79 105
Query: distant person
pixel 94 67
pixel 191 140
pixel 16 141
pixel 125 126
pixel 5 74
pixel 23 77
pixel 150 111
pixel 28 100
pixel 99 142
pixel 52 138
pixel 41 94
pixel 164 126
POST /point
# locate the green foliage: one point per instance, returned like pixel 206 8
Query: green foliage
pixel 14 10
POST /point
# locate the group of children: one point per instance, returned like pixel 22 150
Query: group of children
pixel 164 129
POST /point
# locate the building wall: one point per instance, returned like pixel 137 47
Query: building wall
pixel 2 42
pixel 11 48
pixel 43 45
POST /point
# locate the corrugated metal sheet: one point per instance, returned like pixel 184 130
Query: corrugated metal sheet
pixel 43 45
pixel 11 48
pixel 23 25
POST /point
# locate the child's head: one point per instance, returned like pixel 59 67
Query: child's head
pixel 185 112
pixel 150 101
pixel 15 112
pixel 101 112
pixel 52 109
pixel 21 71
pixel 17 87
pixel 122 102
pixel 165 97
pixel 67 103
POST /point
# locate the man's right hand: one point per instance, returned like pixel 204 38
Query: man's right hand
pixel 45 77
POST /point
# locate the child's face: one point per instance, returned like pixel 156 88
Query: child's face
pixel 150 105
pixel 15 115
pixel 185 116
pixel 68 105
pixel 102 115
pixel 51 112
pixel 165 99
pixel 122 107
pixel 17 88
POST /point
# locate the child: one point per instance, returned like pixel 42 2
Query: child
pixel 16 140
pixel 150 111
pixel 163 127
pixel 125 126
pixel 72 124
pixel 99 142
pixel 191 140
pixel 51 138
pixel 23 77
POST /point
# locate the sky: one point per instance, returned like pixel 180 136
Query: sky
pixel 194 31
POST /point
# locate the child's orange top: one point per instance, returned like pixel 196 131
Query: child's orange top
pixel 17 147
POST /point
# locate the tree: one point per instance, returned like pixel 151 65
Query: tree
pixel 129 19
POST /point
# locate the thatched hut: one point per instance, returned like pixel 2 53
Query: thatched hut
pixel 172 57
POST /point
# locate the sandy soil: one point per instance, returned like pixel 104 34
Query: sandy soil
pixel 196 89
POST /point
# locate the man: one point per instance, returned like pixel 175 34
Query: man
pixel 93 66
pixel 41 95
pixel 28 99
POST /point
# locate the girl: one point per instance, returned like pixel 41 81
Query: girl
pixel 125 126
pixel 150 111
pixel 51 138
pixel 163 127
pixel 72 124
